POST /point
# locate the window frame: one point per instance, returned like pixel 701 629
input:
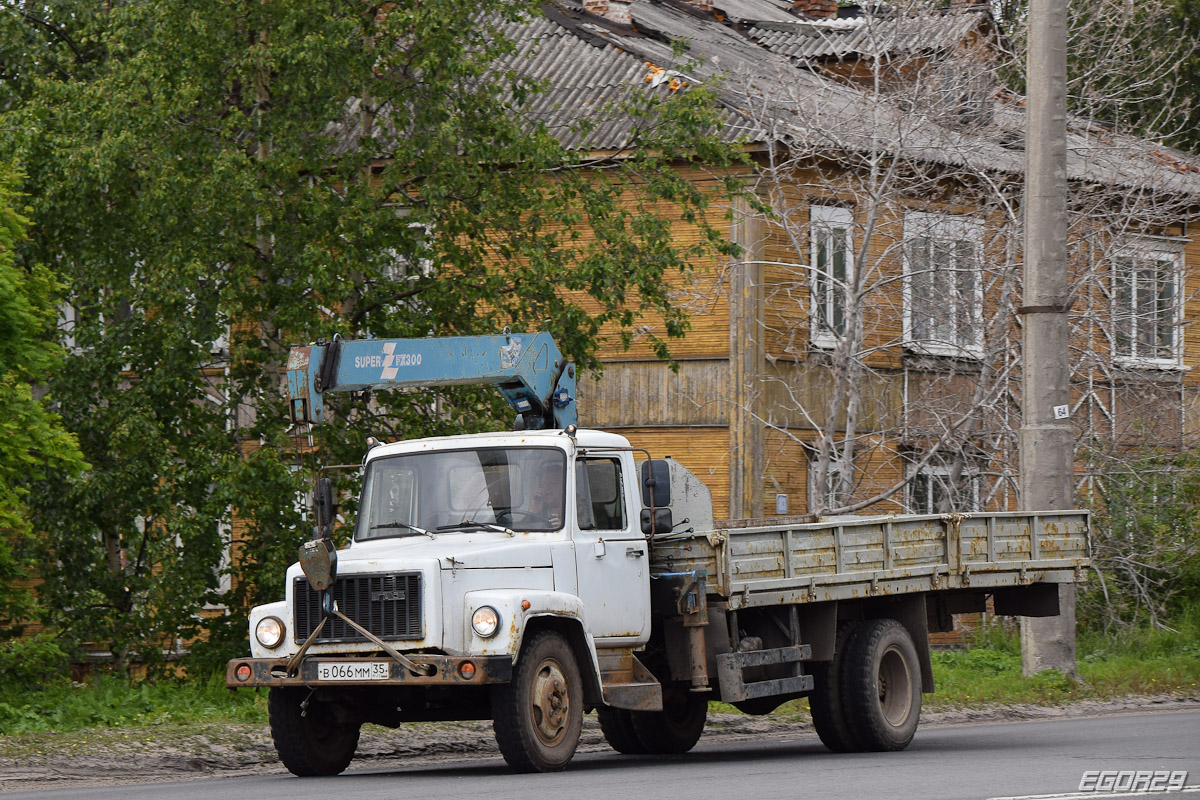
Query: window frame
pixel 947 228
pixel 832 478
pixel 1155 251
pixel 973 477
pixel 822 302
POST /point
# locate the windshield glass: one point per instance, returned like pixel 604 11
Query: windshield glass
pixel 442 492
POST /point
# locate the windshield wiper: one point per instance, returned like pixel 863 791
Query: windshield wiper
pixel 404 525
pixel 470 523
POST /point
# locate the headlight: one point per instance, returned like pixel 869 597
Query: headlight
pixel 270 631
pixel 485 621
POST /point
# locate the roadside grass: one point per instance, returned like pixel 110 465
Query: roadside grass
pixel 112 702
pixel 1132 662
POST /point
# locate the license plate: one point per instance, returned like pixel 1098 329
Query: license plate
pixel 353 670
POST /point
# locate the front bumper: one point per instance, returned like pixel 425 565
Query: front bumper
pixel 447 671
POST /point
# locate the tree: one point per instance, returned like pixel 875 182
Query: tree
pixel 1132 66
pixel 33 443
pixel 1146 539
pixel 227 180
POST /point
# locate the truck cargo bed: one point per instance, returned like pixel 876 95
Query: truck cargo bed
pixel 769 564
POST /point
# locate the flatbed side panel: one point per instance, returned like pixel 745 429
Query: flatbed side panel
pixel 877 556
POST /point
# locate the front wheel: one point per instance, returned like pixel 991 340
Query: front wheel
pixel 538 717
pixel 309 739
pixel 881 685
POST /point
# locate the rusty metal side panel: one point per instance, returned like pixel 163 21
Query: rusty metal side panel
pixel 881 556
pixel 757 555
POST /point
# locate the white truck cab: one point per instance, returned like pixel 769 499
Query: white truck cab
pixel 527 524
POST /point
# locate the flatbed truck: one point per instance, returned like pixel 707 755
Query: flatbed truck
pixel 529 577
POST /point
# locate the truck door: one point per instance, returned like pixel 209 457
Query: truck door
pixel 611 555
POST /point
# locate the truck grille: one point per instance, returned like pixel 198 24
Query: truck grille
pixel 389 606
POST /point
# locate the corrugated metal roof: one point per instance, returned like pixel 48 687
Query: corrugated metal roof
pixel 869 36
pixel 755 10
pixel 771 95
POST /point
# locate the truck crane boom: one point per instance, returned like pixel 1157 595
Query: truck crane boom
pixel 528 370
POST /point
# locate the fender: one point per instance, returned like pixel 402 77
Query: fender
pixel 281 611
pixel 515 618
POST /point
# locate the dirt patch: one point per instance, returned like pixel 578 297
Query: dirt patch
pixel 117 756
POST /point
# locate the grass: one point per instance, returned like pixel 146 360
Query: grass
pixel 1139 662
pixel 111 702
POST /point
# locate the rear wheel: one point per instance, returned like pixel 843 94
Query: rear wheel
pixel 617 726
pixel 538 717
pixel 881 679
pixel 676 728
pixel 309 739
pixel 825 701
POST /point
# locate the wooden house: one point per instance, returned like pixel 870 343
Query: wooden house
pixel 863 354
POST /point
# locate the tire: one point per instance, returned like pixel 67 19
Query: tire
pixel 309 740
pixel 676 728
pixel 538 717
pixel 825 701
pixel 617 726
pixel 881 686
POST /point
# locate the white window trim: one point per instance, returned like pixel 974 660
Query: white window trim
pixel 823 217
pixel 973 477
pixel 224 576
pixel 832 479
pixel 1156 248
pixel 951 226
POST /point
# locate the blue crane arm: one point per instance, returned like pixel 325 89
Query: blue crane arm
pixel 529 370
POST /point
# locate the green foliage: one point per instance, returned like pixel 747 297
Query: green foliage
pixel 110 701
pixel 32 439
pixel 37 661
pixel 223 181
pixel 1145 539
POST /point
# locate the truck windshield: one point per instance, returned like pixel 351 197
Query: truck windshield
pixel 447 491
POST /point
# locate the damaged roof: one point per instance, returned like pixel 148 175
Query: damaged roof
pixel 770 66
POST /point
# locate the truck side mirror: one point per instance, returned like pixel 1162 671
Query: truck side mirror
pixel 323 506
pixel 659 521
pixel 656 483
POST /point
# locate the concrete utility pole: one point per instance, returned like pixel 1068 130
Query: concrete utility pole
pixel 1047 439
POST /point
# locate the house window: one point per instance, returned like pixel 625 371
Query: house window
pixel 1146 304
pixel 832 272
pixel 829 490
pixel 932 490
pixel 943 255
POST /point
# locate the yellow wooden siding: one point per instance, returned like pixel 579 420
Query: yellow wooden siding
pixel 705 451
pixel 1191 309
pixel 637 393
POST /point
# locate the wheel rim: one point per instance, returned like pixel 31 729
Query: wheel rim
pixel 550 701
pixel 895 686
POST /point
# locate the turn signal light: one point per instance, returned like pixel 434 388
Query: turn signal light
pixel 243 672
pixel 467 670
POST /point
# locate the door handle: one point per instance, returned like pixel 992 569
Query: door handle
pixel 633 552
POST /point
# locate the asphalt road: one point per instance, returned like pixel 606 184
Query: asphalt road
pixel 964 762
